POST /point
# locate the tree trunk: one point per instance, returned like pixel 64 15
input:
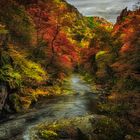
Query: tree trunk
pixel 52 46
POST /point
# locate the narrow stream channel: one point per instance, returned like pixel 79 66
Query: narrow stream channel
pixel 78 104
pixel 81 102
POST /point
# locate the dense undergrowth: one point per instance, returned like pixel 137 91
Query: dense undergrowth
pixel 117 68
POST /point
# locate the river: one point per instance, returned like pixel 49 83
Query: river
pixel 80 102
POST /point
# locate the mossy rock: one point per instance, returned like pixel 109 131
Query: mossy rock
pixel 48 135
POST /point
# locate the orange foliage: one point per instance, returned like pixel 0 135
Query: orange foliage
pixel 48 19
pixel 128 30
pixel 65 61
pixel 125 47
pixel 88 59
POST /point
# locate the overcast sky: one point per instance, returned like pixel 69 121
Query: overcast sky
pixel 109 9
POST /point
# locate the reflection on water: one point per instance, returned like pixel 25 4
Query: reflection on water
pixel 74 80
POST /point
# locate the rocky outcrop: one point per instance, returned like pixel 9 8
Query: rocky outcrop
pixel 123 14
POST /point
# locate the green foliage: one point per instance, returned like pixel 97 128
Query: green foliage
pixel 88 77
pixel 15 100
pixel 32 70
pixel 39 53
pixel 3 31
pixel 57 1
pixel 17 70
pixel 100 54
pixel 10 76
pixel 5 58
pixel 92 23
pixel 7 73
pixel 48 135
pixel 29 70
pixel 22 71
pixel 19 73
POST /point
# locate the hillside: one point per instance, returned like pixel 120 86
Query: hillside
pixel 117 70
pixel 41 37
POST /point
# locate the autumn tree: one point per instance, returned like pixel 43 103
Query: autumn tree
pixel 89 59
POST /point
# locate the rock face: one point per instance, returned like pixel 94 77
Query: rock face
pixel 123 14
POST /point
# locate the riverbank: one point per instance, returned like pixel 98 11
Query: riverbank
pixel 82 105
pixel 78 102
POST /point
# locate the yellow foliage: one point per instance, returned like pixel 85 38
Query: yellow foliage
pixel 28 69
pixel 100 54
pixel 40 92
pixel 25 102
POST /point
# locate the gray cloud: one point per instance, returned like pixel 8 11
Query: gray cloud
pixel 108 9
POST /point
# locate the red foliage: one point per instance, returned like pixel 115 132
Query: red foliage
pixel 127 30
pixel 65 61
pixel 60 51
pixel 88 59
pixel 66 51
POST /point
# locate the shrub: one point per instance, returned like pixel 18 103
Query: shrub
pixel 114 109
pixel 127 83
pixel 30 71
pixel 15 102
pixel 48 135
pixel 10 76
pixel 19 73
pixel 100 54
pixel 107 129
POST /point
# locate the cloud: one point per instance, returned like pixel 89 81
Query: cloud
pixel 108 9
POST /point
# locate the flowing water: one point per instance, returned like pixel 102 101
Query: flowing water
pixel 81 101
